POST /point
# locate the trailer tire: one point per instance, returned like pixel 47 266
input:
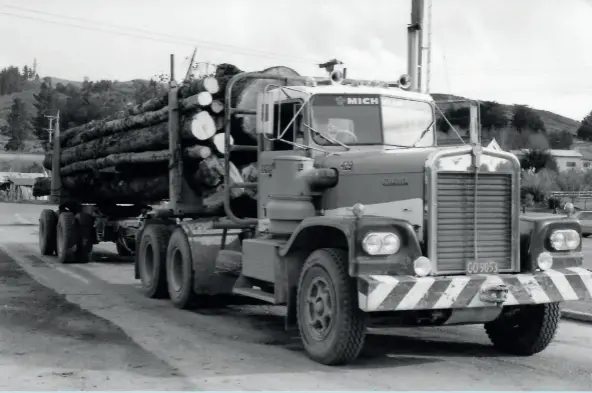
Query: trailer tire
pixel 85 229
pixel 66 237
pixel 529 330
pixel 48 223
pixel 152 260
pixel 180 272
pixel 343 339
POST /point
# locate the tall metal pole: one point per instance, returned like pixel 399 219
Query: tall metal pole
pixel 414 44
pixel 428 61
pixel 175 159
pixel 56 181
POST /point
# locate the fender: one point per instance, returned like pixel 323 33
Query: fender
pixel 348 231
pixel 534 239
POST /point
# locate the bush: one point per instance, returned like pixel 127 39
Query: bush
pixel 539 184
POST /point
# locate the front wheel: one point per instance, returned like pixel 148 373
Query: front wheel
pixel 332 327
pixel 525 330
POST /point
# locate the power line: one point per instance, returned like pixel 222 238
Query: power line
pixel 158 37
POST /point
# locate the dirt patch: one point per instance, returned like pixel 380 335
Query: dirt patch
pixel 40 328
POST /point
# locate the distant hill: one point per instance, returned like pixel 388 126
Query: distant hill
pixel 553 122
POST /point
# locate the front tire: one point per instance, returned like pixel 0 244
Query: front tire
pixel 86 237
pixel 525 330
pixel 332 327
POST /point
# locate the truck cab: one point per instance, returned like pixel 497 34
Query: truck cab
pixel 363 220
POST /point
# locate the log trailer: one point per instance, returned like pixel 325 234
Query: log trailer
pixel 362 220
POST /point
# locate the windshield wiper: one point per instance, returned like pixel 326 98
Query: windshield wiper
pixel 423 133
pixel 326 137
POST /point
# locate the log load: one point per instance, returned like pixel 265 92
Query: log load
pixel 126 159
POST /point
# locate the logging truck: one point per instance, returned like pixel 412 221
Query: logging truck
pixel 361 220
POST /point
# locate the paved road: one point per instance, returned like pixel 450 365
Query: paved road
pixel 79 327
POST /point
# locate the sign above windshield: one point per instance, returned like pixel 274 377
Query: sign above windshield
pixel 347 100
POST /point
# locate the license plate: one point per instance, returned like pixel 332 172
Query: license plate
pixel 482 267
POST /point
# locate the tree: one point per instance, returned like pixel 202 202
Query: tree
pixel 526 118
pixel 18 127
pixel 585 128
pixel 11 80
pixel 561 140
pixel 493 115
pixel 538 159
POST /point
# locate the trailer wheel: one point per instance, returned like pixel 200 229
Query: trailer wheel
pixel 525 330
pixel 152 260
pixel 66 237
pixel 179 271
pixel 332 326
pixel 48 222
pixel 86 237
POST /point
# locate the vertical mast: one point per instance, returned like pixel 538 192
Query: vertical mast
pixel 414 45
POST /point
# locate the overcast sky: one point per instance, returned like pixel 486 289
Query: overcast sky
pixel 533 52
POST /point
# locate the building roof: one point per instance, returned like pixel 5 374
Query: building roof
pixel 554 153
pixel 22 181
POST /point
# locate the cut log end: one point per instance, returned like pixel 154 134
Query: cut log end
pixel 203 126
pixel 204 98
pixel 217 106
pixel 219 142
pixel 211 85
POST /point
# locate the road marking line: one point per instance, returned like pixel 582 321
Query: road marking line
pixel 70 273
pixel 21 219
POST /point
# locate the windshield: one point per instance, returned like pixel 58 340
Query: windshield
pixel 371 120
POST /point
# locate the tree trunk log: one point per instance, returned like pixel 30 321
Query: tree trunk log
pixel 98 129
pixel 144 139
pixel 133 159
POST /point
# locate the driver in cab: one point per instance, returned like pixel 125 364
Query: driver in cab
pixel 334 131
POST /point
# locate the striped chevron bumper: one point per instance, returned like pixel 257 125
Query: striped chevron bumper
pixel 392 293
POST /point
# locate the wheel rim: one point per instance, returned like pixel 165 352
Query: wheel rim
pixel 177 270
pixel 319 308
pixel 148 263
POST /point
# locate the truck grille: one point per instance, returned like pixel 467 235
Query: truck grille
pixel 455 223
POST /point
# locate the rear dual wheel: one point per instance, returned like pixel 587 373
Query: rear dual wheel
pixel 74 237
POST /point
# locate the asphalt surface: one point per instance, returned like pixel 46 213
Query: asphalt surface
pixel 87 327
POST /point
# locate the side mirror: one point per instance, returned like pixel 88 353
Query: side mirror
pixel 475 123
pixel 265 114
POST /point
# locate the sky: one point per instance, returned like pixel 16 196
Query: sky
pixel 532 52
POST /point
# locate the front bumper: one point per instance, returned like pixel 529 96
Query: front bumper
pixel 398 293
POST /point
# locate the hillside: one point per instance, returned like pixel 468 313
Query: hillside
pixel 122 93
pixel 553 122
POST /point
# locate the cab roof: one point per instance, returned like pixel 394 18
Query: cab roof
pixel 346 89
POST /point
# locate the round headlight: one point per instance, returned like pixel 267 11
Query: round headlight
pixel 381 243
pixel 545 261
pixel 390 244
pixel 558 240
pixel 565 239
pixel 372 243
pixel 422 266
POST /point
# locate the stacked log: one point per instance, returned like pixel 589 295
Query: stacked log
pixel 126 160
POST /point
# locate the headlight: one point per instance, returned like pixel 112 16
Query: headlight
pixel 381 243
pixel 565 239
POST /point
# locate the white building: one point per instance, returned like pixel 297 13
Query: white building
pixel 566 159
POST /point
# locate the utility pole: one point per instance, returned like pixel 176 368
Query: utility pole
pixel 50 129
pixel 414 44
pixel 428 48
pixel 56 181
